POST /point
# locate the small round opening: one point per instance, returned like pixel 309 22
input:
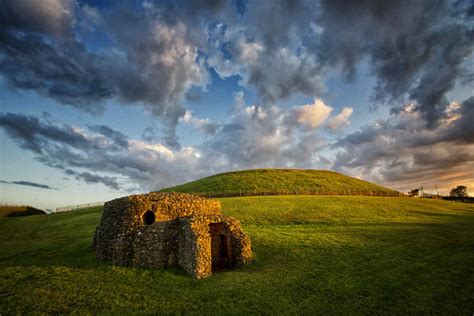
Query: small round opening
pixel 149 217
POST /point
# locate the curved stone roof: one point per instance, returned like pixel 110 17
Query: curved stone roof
pixel 174 204
pixel 128 213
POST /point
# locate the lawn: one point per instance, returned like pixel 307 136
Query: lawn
pixel 313 254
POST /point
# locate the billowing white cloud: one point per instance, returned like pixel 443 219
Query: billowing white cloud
pixel 342 119
pixel 311 115
pixel 259 136
pixel 155 53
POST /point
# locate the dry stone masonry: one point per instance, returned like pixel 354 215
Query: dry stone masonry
pixel 157 230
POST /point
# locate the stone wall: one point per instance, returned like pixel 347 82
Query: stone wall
pixel 156 246
pixel 121 218
pixel 157 230
pixel 196 252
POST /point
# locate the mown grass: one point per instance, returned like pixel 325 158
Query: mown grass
pixel 313 255
pixel 281 182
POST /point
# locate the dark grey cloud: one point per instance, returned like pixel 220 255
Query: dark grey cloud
pixel 163 135
pixel 149 134
pixel 256 137
pixel 117 137
pixel 29 184
pixel 401 151
pixel 65 72
pixel 272 47
pixel 49 16
pixel 151 61
pixel 285 48
pixel 193 97
pixel 101 154
pixel 159 61
pixel 64 146
pixel 157 53
pixel 280 21
pixel 30 132
pixel 87 177
pixel 34 135
pixel 463 131
pixel 416 48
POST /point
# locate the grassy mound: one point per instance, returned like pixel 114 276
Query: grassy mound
pixel 281 182
pixel 19 210
pixel 313 255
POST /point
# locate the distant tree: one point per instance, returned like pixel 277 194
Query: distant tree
pixel 414 192
pixel 459 191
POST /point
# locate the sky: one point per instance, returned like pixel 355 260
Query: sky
pixel 101 99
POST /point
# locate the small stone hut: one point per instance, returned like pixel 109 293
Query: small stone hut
pixel 157 230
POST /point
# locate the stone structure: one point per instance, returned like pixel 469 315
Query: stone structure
pixel 157 230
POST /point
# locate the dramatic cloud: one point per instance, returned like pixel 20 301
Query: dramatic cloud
pixel 53 17
pixel 29 184
pixel 152 63
pixel 416 48
pixel 65 72
pixel 263 137
pixel 31 133
pixel 400 152
pixel 270 49
pixel 157 51
pixel 158 55
pixel 101 154
pixel 254 137
pixel 159 62
pixel 403 153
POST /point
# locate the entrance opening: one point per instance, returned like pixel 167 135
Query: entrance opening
pixel 149 217
pixel 221 247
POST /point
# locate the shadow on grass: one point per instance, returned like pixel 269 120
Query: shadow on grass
pixel 378 267
pixel 344 268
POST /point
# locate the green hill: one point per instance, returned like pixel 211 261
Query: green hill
pixel 281 182
pixel 315 255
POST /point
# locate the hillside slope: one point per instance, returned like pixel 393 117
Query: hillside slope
pixel 19 210
pixel 313 255
pixel 281 182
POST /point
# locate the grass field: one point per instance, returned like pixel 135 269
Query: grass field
pixel 281 182
pixel 313 254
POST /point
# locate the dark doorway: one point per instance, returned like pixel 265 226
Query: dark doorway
pixel 221 247
pixel 149 217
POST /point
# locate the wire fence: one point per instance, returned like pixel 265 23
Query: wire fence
pixel 298 192
pixel 279 192
pixel 76 207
